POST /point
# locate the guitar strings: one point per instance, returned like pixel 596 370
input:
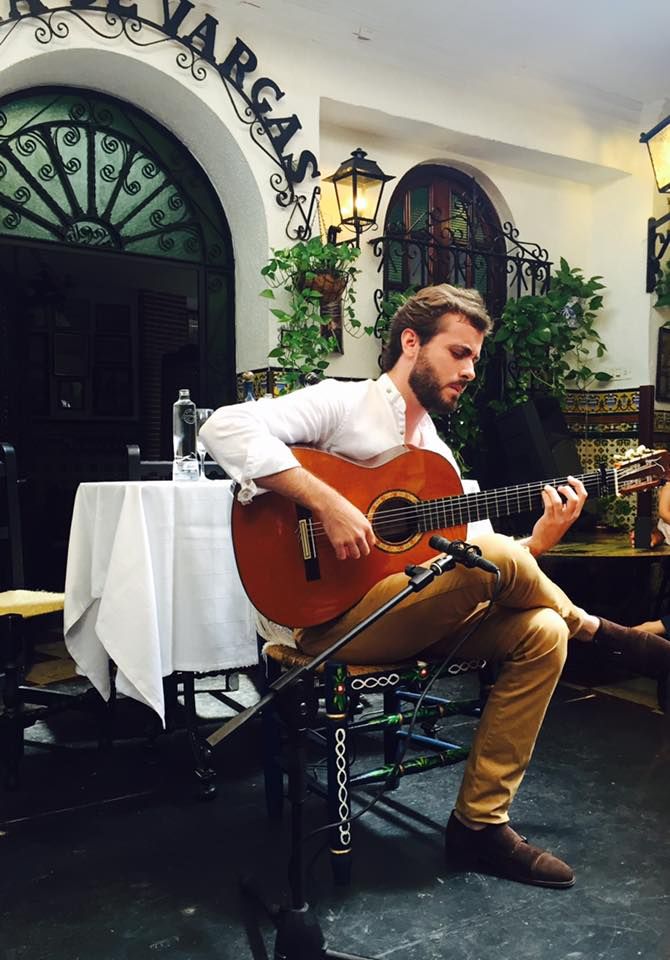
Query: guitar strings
pixel 481 498
pixel 478 499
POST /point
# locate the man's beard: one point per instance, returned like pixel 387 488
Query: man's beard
pixel 426 388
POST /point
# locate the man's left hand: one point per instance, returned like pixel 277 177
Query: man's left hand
pixel 562 506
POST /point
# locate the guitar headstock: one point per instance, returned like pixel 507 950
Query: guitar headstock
pixel 641 468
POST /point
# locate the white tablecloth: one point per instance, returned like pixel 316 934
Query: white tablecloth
pixel 151 583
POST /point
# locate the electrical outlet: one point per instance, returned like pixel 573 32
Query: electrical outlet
pixel 621 373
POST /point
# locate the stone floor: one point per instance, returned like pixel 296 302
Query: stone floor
pixel 111 856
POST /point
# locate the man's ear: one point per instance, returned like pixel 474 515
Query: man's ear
pixel 410 342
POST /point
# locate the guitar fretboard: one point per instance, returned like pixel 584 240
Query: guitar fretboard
pixel 503 502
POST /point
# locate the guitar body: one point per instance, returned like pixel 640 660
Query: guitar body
pixel 290 571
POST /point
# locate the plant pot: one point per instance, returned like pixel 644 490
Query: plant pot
pixel 329 285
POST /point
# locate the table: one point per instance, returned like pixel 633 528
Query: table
pixel 608 576
pixel 151 584
pixel 604 544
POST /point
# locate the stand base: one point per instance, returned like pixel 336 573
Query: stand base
pixel 299 937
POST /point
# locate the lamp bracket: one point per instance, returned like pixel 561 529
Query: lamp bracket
pixel 657 245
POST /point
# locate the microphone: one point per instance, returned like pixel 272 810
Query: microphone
pixel 466 553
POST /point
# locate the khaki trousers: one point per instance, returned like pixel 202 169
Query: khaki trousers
pixel 527 633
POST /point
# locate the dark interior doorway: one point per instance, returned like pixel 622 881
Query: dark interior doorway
pixel 116 289
pixel 100 347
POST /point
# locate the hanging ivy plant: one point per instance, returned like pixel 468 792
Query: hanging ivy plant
pixel 309 275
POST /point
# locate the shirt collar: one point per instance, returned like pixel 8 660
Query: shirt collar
pixel 389 388
pixel 397 401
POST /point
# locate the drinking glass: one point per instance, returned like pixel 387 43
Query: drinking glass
pixel 202 415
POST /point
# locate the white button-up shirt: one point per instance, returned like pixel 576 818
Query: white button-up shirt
pixel 356 420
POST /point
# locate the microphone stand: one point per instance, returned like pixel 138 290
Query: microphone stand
pixel 299 936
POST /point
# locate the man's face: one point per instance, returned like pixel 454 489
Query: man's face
pixel 446 364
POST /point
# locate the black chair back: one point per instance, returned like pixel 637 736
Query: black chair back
pixel 139 469
pixel 10 518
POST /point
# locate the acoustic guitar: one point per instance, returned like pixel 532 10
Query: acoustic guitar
pixel 290 571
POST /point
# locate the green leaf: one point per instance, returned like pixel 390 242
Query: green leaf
pixel 267 293
pixel 281 315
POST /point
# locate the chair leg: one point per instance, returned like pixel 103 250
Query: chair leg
pixel 273 773
pixel 170 699
pixel 338 771
pixel 488 674
pixel 392 705
pixel 11 722
pixel 200 749
pixel 106 712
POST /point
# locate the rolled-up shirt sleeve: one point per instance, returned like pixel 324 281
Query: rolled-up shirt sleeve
pixel 251 440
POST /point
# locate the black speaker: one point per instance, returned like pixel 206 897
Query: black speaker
pixel 536 444
pixel 561 442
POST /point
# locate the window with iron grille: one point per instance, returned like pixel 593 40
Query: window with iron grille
pixel 441 227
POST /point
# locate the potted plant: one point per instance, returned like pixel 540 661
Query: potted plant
pixel 550 339
pixel 318 282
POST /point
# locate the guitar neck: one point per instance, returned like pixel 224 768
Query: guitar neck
pixel 503 502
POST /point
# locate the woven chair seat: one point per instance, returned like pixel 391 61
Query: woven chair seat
pixel 290 657
pixel 30 603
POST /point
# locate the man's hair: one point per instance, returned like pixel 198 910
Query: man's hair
pixel 423 311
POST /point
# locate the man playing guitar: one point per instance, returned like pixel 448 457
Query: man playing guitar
pixel 435 342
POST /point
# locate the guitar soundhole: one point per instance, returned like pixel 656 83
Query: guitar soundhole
pixel 395 521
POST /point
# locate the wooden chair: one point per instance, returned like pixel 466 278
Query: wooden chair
pixel 347 702
pixel 22 613
pixel 182 682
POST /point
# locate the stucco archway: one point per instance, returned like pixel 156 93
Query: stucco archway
pixel 200 117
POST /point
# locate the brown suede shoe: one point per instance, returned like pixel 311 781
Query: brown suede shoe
pixel 641 652
pixel 505 853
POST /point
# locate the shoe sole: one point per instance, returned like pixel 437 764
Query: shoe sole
pixel 468 862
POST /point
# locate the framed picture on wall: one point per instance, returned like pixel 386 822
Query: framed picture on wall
pixel 663 365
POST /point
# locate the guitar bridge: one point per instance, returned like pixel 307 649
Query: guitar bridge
pixel 310 556
pixel 306 539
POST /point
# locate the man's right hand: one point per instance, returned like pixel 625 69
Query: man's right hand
pixel 349 531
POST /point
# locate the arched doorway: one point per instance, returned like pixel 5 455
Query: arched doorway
pixel 117 289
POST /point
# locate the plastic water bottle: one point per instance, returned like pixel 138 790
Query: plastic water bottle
pixel 185 463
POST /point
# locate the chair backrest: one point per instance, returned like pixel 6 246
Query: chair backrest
pixel 10 516
pixel 139 469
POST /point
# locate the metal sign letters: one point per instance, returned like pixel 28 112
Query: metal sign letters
pixel 254 97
